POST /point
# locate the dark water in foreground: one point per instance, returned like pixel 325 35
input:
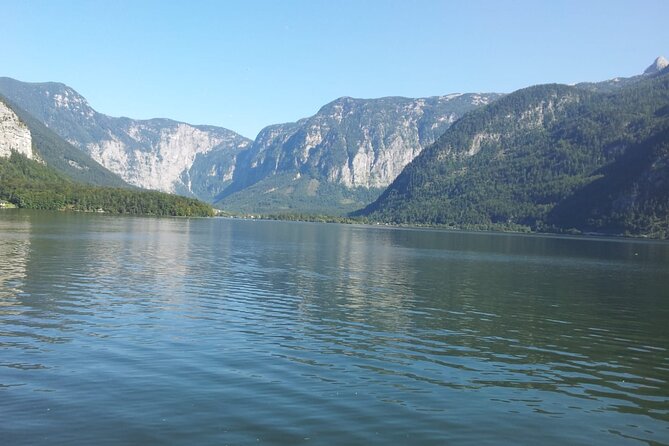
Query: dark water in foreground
pixel 161 331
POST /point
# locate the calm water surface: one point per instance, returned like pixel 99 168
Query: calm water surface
pixel 213 331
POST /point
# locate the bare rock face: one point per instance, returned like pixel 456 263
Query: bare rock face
pixel 160 154
pixel 14 134
pixel 658 65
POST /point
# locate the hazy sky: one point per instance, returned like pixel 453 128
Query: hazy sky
pixel 247 64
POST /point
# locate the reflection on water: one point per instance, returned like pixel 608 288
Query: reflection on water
pixel 219 331
pixel 14 250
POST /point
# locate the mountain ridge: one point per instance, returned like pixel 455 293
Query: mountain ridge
pixel 49 148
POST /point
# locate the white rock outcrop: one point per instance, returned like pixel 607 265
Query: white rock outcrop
pixel 14 134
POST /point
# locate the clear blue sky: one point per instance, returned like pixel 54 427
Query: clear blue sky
pixel 247 64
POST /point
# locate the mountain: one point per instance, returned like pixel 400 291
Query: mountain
pixel 341 157
pixel 657 66
pixel 29 137
pixel 158 154
pixel 548 157
pixel 38 170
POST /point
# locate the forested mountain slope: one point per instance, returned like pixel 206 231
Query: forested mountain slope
pixel 549 157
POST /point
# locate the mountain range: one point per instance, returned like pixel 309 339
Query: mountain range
pixel 587 157
pixel 342 157
pixel 337 160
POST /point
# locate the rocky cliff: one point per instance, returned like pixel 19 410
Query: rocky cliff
pixel 356 142
pixel 14 134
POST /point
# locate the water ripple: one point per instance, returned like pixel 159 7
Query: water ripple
pixel 220 331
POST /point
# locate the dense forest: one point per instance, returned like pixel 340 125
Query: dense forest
pixel 31 185
pixel 546 158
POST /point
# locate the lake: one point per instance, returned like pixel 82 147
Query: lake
pixel 129 331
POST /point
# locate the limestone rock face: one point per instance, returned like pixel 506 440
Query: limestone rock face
pixel 14 134
pixel 159 154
